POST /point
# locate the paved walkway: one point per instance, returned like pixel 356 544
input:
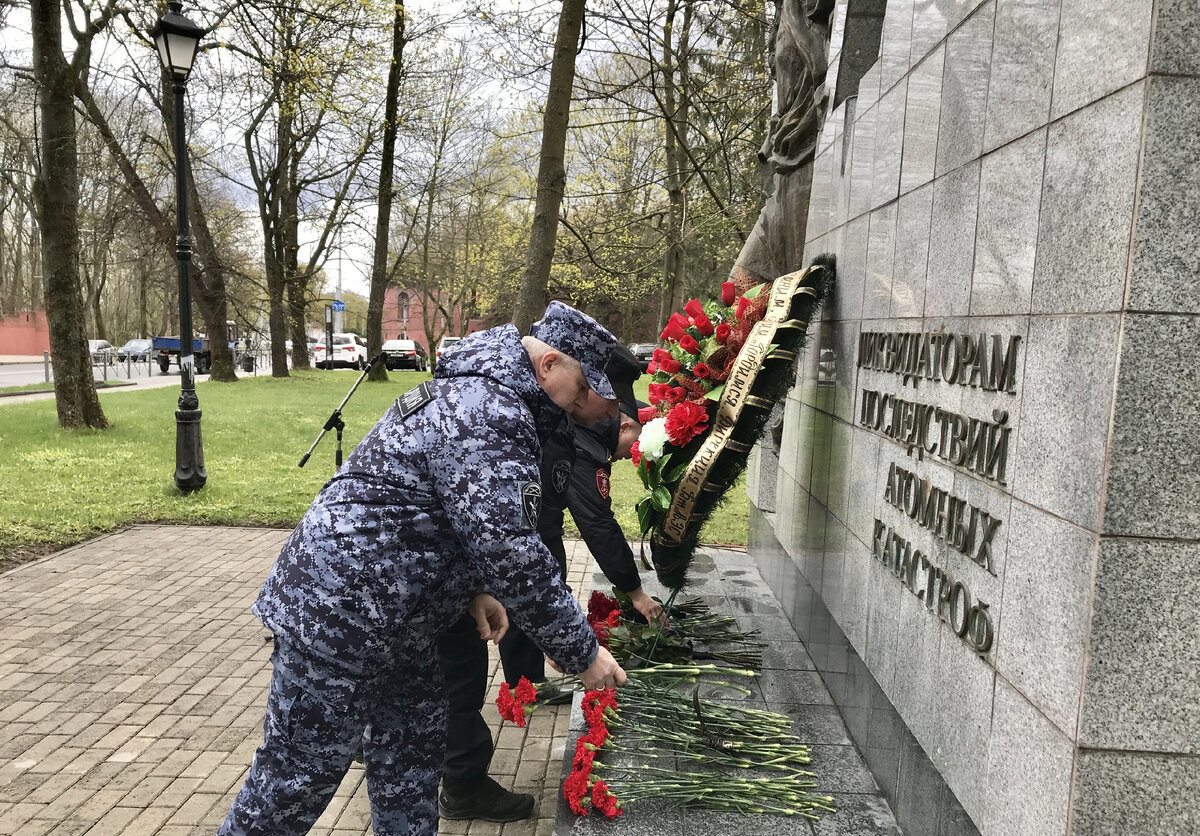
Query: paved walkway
pixel 133 680
pixel 132 686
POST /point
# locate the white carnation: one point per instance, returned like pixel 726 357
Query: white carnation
pixel 654 436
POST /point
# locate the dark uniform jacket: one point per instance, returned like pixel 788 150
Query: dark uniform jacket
pixel 587 497
pixel 437 503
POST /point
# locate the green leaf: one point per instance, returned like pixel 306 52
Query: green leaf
pixel 715 394
pixel 753 292
pixel 676 474
pixel 662 498
pixel 643 472
pixel 645 512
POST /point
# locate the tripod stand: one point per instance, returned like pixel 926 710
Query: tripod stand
pixel 335 421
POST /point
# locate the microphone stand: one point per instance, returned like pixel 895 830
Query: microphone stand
pixel 335 421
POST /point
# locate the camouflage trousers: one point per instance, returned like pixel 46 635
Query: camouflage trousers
pixel 317 714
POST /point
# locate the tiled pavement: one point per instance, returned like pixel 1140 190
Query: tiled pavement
pixel 133 679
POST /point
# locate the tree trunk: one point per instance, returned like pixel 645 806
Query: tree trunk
pixel 74 390
pixel 277 319
pixel 209 284
pixel 37 295
pixel 675 97
pixel 143 301
pixel 552 174
pixel 297 302
pixel 19 260
pixel 383 220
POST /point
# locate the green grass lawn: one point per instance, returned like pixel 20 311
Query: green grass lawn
pixel 59 487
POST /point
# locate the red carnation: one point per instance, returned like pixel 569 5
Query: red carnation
pixel 526 692
pixel 670 365
pixel 598 735
pixel 723 331
pixel 575 791
pixel 701 371
pixel 675 394
pixel 600 605
pixel 604 800
pixel 728 292
pixel 510 708
pixel 704 325
pixel 601 631
pixel 635 452
pixel 689 345
pixel 742 305
pixel 584 756
pixel 647 414
pixel 694 308
pixel 685 421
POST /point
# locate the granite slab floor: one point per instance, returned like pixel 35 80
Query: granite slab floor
pixel 133 680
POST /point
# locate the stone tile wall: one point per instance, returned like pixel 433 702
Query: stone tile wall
pixel 1022 168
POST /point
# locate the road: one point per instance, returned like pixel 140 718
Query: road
pixel 19 374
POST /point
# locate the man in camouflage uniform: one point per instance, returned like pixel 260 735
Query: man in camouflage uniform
pixel 468 792
pixel 437 505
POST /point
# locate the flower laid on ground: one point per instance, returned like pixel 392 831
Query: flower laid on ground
pixel 692 632
pixel 581 790
pixel 652 718
pixel 516 705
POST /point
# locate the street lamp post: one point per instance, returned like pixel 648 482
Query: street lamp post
pixel 177 39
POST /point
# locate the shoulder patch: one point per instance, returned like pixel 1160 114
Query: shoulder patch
pixel 414 399
pixel 560 474
pixel 602 483
pixel 531 503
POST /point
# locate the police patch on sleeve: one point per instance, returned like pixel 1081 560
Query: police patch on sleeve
pixel 602 484
pixel 414 399
pixel 531 503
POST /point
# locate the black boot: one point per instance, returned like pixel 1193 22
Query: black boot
pixel 482 798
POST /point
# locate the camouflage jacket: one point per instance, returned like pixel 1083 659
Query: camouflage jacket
pixel 437 503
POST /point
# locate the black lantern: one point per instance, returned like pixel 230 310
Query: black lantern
pixel 177 39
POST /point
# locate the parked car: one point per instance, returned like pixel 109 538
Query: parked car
pixel 644 352
pixel 349 351
pixel 102 352
pixel 444 344
pixel 405 354
pixel 137 351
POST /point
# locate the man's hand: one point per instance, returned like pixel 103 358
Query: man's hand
pixel 603 673
pixel 490 617
pixel 650 609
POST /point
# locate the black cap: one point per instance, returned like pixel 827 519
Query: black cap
pixel 622 370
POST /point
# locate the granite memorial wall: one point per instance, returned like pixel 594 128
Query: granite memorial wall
pixel 981 503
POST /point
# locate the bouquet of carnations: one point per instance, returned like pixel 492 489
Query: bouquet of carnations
pixel 652 720
pixel 720 369
pixel 692 632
